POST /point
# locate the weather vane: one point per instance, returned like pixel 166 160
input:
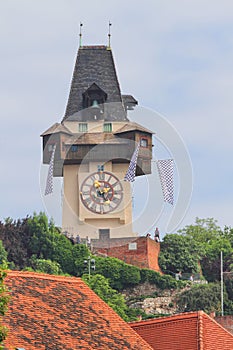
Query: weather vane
pixel 80 34
pixel 109 34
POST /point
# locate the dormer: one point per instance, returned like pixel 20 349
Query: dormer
pixel 94 96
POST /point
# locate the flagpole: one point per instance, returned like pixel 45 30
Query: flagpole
pixel 221 272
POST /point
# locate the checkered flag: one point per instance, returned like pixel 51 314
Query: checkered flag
pixel 130 175
pixel 166 175
pixel 49 182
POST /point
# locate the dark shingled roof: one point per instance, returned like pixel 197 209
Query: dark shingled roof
pixel 94 64
pixel 129 101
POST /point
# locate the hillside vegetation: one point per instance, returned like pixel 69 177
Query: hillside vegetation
pixel 35 243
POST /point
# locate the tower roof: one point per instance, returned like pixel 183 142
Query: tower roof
pixel 94 65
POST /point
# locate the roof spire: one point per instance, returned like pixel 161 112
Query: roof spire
pixel 80 34
pixel 109 34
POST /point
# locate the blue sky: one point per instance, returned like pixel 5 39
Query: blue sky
pixel 175 57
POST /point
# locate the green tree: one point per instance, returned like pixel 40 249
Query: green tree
pixel 49 244
pixel 100 285
pixel 228 234
pixel 80 252
pixel 210 261
pixel 179 253
pixel 3 254
pixel 4 299
pixel 203 230
pixel 206 297
pixel 213 240
pixel 47 266
pixel 43 236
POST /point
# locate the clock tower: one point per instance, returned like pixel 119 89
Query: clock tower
pixel 95 142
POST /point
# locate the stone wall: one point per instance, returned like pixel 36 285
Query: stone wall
pixel 151 299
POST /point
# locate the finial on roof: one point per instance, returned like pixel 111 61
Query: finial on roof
pixel 109 34
pixel 80 34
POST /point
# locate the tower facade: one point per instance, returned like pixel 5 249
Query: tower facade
pixel 95 142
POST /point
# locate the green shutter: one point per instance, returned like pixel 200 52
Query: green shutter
pixel 108 127
pixel 82 127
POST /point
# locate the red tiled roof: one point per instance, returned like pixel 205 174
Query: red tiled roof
pixel 56 312
pixel 187 331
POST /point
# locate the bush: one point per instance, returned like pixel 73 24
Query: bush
pixel 161 281
pixel 47 266
pixel 120 274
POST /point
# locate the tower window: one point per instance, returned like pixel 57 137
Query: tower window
pixel 107 127
pixel 94 95
pixel 132 246
pixel 82 127
pixel 104 234
pixel 144 142
pixel 74 148
pixel 100 168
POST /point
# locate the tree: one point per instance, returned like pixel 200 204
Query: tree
pixel 49 244
pixel 43 236
pixel 4 298
pixel 47 266
pixel 16 237
pixel 213 240
pixel 203 230
pixel 3 254
pixel 179 253
pixel 100 285
pixel 80 252
pixel 228 234
pixel 210 261
pixel 206 297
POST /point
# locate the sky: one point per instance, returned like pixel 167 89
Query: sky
pixel 175 57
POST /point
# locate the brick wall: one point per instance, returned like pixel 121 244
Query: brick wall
pixel 144 256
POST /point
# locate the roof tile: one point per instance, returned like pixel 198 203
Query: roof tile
pixel 57 312
pixel 187 331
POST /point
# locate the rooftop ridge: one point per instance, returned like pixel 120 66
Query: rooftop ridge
pixel 44 276
pixel 183 315
pixel 192 330
pixel 94 47
pixel 200 330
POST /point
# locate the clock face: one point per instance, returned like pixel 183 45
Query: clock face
pixel 101 192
